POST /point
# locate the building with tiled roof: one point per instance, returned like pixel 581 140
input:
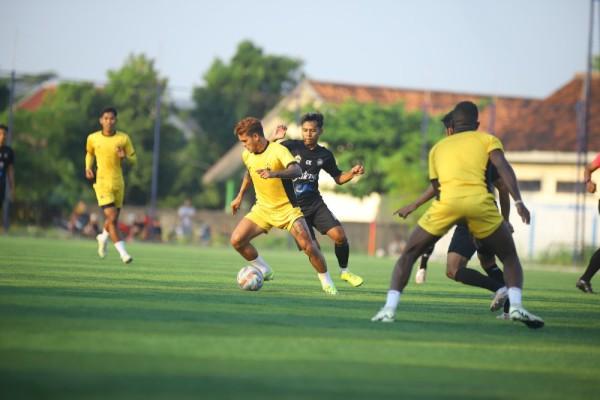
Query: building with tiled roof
pixel 540 138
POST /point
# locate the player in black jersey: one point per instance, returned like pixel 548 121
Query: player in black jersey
pixel 313 158
pixel 7 171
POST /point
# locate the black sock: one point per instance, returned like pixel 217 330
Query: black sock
pixel 425 257
pixel 342 252
pixel 592 267
pixel 496 274
pixel 471 277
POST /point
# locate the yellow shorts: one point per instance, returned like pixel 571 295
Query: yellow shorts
pixel 479 212
pixel 110 194
pixel 282 218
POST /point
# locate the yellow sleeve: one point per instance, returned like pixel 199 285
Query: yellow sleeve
pixel 432 170
pixel 130 151
pixel 89 153
pixel 284 155
pixel 494 144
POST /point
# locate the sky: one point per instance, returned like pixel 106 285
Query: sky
pixel 510 47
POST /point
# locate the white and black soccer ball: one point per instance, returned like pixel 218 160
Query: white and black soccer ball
pixel 250 278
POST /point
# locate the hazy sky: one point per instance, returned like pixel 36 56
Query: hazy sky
pixel 508 47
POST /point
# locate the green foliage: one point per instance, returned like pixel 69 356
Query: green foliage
pixel 596 63
pixel 250 85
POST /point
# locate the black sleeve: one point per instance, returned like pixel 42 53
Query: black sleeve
pixel 330 166
pixel 492 173
pixel 11 156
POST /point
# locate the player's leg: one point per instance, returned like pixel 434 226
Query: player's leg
pixel 421 275
pixel 300 232
pixel 243 233
pixel 460 251
pixel 418 241
pixel 487 259
pixel 502 244
pixel 111 218
pixel 584 283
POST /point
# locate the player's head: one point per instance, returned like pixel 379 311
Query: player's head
pixel 3 132
pixel 250 132
pixel 311 125
pixel 108 119
pixel 465 117
pixel 447 121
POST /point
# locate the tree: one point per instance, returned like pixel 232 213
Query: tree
pixel 386 139
pixel 133 91
pixel 596 63
pixel 251 84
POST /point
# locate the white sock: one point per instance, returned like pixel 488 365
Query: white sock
pixel 514 296
pixel 104 234
pixel 502 289
pixel 342 270
pixel 325 279
pixel 120 246
pixel 261 264
pixel 393 298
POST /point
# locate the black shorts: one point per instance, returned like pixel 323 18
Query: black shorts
pixel 466 245
pixel 320 217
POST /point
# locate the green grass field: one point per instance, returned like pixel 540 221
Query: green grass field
pixel 174 325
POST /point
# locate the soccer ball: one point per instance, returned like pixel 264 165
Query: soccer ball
pixel 250 278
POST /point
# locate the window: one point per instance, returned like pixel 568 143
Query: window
pixel 530 185
pixel 569 187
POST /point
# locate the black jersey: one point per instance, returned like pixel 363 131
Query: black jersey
pixel 491 176
pixel 7 157
pixel 306 187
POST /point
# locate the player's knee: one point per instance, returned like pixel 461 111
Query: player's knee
pixel 308 246
pixel 341 240
pixel 451 273
pixel 236 240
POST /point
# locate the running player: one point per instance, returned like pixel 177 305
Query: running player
pixel 457 166
pixel 271 168
pixel 585 282
pixel 312 158
pixel 108 148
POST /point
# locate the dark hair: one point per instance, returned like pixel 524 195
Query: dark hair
pixel 447 120
pixel 465 116
pixel 313 116
pixel 4 127
pixel 109 110
pixel 249 126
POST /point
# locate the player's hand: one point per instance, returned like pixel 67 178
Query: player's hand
pixel 235 205
pixel 523 212
pixel 121 152
pixel 591 186
pixel 405 211
pixel 89 174
pixel 265 173
pixel 358 170
pixel 279 132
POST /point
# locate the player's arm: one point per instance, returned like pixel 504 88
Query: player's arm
pixel 89 159
pixel 347 176
pixel 127 152
pixel 427 195
pixel 292 171
pixel 503 198
pixel 590 185
pixel 510 180
pixel 237 202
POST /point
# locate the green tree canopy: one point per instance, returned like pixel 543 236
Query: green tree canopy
pixel 250 85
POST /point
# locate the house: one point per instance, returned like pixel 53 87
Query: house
pixel 539 135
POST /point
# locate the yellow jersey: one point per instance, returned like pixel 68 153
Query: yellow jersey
pixel 104 150
pixel 272 192
pixel 459 162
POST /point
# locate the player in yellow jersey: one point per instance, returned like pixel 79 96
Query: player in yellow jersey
pixel 108 148
pixel 457 166
pixel 271 168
